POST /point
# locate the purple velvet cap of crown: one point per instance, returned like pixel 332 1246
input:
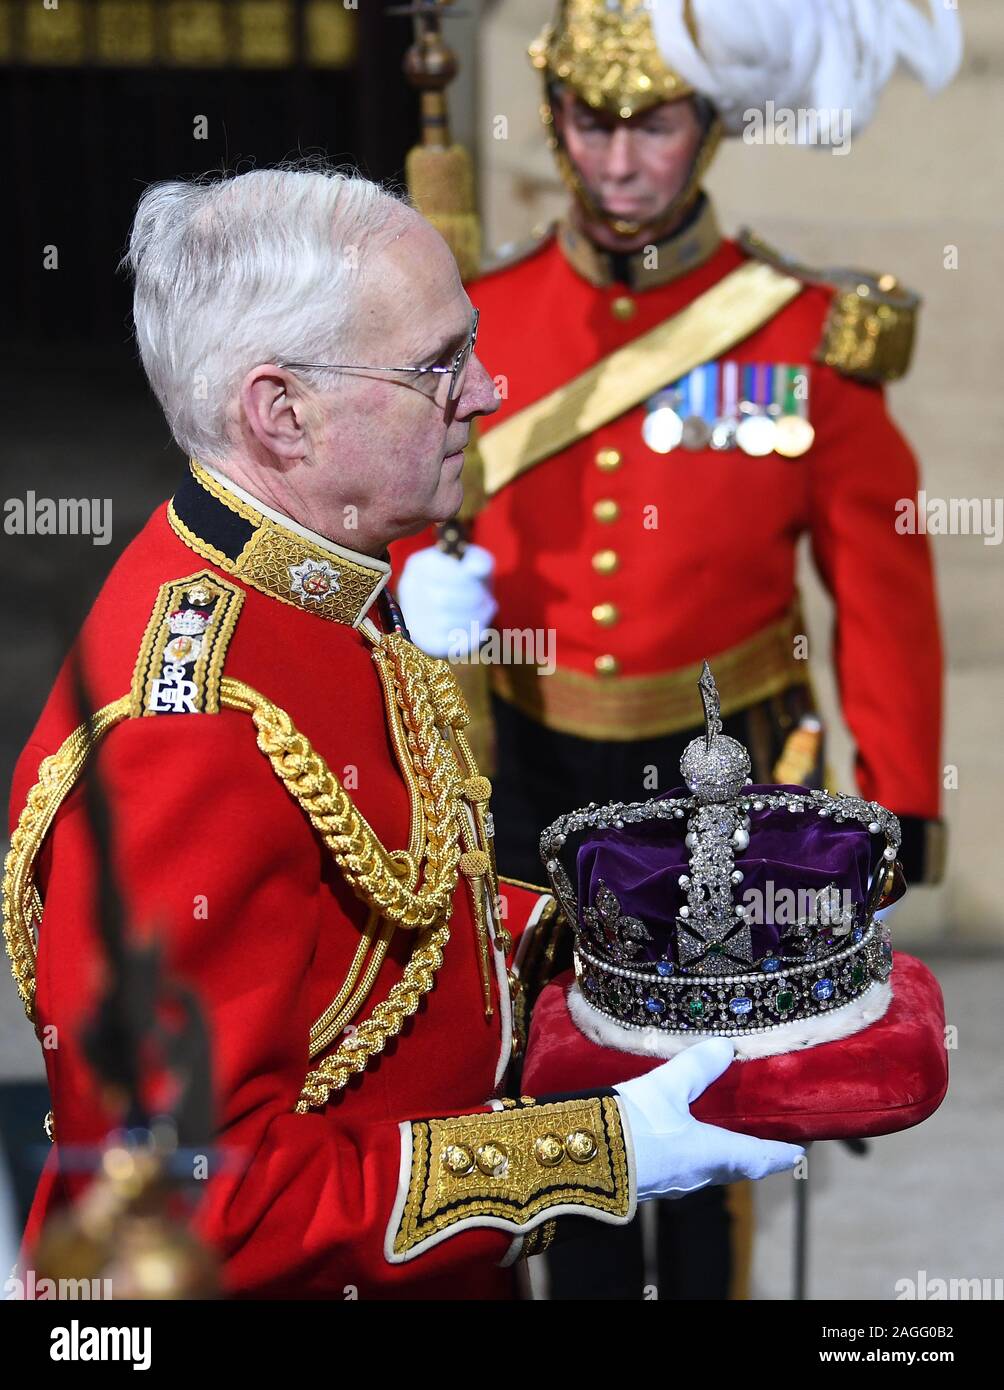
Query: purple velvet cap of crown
pixel 641 864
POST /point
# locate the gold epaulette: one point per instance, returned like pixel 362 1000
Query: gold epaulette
pixel 180 662
pixel 515 1169
pixel 870 328
pixel 513 252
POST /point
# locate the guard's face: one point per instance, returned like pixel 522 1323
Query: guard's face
pixel 632 167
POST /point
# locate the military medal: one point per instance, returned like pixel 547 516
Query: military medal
pixel 756 430
pixel 662 429
pixel 696 433
pixel 723 431
pixel 794 436
pixel 794 432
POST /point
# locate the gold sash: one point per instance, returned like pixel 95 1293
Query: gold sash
pixel 721 317
pixel 621 708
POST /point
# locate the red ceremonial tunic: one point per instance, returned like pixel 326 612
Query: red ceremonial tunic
pixel 218 860
pixel 642 564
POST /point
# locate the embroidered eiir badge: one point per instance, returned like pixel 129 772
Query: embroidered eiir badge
pixel 180 661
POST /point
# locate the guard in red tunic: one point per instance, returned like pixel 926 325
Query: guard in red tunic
pixel 679 410
pixel 296 815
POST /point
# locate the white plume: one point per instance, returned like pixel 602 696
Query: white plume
pixel 806 54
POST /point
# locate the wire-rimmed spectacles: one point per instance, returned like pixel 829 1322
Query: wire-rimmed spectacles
pixel 455 371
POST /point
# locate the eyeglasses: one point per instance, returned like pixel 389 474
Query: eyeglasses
pixel 456 371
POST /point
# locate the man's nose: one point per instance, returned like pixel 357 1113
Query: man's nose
pixel 479 395
pixel 621 162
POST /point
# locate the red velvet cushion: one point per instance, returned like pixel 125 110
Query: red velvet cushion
pixel 890 1076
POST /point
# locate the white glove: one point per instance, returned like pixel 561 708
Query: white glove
pixel 441 597
pixel 674 1153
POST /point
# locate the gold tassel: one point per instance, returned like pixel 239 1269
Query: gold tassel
pixel 441 185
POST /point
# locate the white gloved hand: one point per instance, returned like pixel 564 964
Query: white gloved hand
pixel 674 1153
pixel 441 597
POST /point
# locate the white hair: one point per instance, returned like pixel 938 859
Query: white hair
pixel 233 271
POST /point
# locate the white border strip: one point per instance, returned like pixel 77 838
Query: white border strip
pixel 786 1037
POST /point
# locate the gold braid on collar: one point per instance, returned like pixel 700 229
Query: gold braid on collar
pixel 324 579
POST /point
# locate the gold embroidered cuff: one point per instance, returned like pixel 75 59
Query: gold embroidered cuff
pixel 513 1169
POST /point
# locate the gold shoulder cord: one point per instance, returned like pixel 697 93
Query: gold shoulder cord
pixel 57 776
pixel 424 705
pixel 410 888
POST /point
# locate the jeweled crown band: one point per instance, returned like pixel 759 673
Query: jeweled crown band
pixel 733 1005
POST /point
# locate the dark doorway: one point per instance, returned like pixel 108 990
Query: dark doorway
pixel 99 98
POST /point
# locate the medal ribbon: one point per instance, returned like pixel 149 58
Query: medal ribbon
pixel 711 374
pixel 795 404
pixel 730 391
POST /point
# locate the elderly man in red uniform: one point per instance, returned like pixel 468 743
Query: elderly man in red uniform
pixel 679 410
pixel 295 809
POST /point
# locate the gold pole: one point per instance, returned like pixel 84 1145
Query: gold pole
pixel 440 180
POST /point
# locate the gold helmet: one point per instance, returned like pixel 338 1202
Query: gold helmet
pixel 605 52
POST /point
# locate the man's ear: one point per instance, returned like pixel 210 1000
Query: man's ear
pixel 275 410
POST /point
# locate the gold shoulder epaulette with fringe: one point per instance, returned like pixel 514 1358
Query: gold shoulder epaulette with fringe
pixel 870 328
pixel 513 252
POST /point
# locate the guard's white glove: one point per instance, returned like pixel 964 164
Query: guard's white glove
pixel 441 597
pixel 674 1153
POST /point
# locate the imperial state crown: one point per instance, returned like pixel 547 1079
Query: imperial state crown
pixel 748 912
pixel 727 909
